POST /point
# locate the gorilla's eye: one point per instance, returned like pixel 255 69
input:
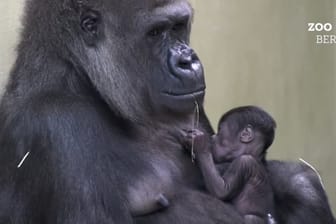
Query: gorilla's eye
pixel 157 31
pixel 90 21
pixel 90 24
pixel 179 26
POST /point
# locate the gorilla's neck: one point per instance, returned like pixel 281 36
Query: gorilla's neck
pixel 165 129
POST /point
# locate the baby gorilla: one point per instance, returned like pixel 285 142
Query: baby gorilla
pixel 244 135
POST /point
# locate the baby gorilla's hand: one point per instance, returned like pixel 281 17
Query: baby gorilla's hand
pixel 196 140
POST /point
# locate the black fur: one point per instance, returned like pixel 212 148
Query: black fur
pixel 93 99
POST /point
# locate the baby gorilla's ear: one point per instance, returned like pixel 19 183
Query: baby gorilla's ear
pixel 247 134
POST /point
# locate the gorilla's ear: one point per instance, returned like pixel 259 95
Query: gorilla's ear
pixel 91 24
pixel 247 134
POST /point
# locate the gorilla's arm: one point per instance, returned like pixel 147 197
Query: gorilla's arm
pixel 299 195
pixel 57 182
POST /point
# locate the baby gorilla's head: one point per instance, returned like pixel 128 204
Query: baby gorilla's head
pixel 244 130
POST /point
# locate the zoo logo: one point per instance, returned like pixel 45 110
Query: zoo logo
pixel 320 27
pixel 322 38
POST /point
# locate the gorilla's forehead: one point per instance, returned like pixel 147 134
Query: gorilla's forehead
pixel 166 9
pixel 153 4
pixel 174 8
pixel 161 3
pixel 145 11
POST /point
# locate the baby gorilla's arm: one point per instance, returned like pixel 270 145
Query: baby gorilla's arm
pixel 228 185
pixel 224 186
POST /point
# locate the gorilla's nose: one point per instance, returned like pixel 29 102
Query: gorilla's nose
pixel 183 61
pixel 187 57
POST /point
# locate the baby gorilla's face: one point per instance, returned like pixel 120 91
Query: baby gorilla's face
pixel 227 143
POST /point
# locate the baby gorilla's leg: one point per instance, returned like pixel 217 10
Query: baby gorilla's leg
pixel 254 219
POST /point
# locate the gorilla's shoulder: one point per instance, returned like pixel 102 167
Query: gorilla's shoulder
pixel 298 192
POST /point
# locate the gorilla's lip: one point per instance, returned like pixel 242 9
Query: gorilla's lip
pixel 185 94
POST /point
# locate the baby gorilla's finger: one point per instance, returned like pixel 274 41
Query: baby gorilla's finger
pixel 198 132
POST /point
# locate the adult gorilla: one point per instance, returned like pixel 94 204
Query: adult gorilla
pixel 90 120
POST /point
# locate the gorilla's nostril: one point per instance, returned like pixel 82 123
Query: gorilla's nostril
pixel 184 64
pixel 185 61
pixel 194 57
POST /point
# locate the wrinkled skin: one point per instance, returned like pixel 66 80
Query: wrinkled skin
pixel 97 95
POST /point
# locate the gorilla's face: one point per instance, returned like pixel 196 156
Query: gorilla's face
pixel 176 74
pixel 138 56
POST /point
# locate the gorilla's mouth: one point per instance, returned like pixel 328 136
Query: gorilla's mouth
pixel 185 94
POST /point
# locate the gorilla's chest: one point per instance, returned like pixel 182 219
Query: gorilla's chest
pixel 160 171
pixel 162 175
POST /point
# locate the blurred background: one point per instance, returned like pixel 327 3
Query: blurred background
pixel 256 52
